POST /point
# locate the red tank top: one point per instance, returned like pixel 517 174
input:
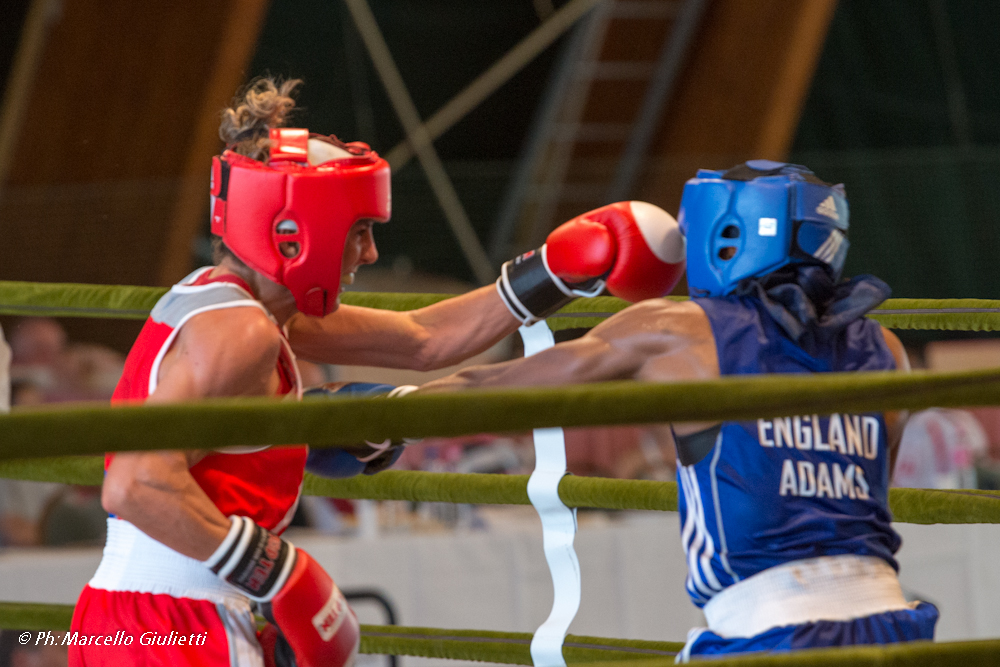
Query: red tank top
pixel 263 483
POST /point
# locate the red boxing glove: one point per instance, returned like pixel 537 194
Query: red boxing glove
pixel 314 617
pixel 581 249
pixel 634 248
pixel 294 593
pixel 637 248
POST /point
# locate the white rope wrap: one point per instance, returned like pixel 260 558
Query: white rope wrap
pixel 558 525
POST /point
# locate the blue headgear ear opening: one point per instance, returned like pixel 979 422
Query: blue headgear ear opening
pixel 756 218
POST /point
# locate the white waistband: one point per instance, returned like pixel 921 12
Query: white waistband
pixel 830 588
pixel 135 562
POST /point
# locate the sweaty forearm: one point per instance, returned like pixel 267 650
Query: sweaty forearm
pixel 168 505
pixel 437 336
pixel 494 375
pixel 184 523
pixel 462 327
pixel 583 360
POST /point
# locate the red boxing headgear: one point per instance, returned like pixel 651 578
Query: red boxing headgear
pixel 288 218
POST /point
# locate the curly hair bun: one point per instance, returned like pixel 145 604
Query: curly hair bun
pixel 263 104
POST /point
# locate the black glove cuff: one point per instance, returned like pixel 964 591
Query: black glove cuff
pixel 384 460
pixel 528 290
pixel 253 560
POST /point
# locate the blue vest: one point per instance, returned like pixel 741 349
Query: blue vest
pixel 771 491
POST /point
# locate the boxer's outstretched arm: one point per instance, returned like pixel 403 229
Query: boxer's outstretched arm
pixel 437 336
pixel 231 352
pixel 653 340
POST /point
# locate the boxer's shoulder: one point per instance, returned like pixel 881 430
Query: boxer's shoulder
pixel 246 329
pixel 676 318
pixel 228 352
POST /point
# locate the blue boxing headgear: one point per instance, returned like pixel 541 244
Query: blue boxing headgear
pixel 756 218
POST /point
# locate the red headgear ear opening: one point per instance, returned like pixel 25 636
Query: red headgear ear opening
pixel 289 220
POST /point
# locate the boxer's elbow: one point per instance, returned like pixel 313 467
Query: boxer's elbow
pixel 118 496
pixel 131 499
pixel 134 483
pixel 425 363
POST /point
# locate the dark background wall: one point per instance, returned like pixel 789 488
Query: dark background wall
pixel 905 110
pixel 439 46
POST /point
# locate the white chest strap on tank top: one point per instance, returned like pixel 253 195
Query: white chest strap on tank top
pixel 558 524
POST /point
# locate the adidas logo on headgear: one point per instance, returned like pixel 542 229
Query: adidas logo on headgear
pixel 828 207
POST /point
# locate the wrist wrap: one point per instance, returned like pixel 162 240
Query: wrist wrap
pixel 253 560
pixel 532 292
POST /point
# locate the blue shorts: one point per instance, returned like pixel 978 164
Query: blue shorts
pixel 890 627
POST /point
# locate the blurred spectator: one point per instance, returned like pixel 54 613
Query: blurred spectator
pixel 37 341
pixel 18 518
pixel 989 419
pixel 25 393
pixel 87 372
pixel 46 368
pixel 621 452
pixel 968 355
pixel 13 654
pixel 37 345
pixel 73 515
pixel 939 450
pixel 44 362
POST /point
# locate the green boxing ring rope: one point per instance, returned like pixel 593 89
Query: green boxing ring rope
pixel 513 647
pixel 921 506
pixel 130 302
pixel 22 432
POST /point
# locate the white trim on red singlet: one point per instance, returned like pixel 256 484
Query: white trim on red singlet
pixel 294 362
pixel 248 302
pixel 154 372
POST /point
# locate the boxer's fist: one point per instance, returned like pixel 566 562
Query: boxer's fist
pixel 294 593
pixel 365 458
pixel 634 248
pixel 581 249
pixel 314 618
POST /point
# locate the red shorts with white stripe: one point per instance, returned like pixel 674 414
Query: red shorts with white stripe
pixel 149 605
pixel 124 628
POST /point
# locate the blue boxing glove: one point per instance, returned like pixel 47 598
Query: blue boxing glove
pixel 367 458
